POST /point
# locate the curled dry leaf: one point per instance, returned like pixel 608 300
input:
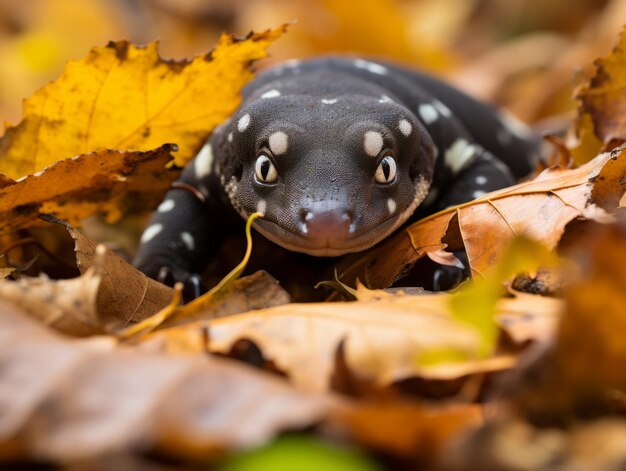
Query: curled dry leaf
pixel 128 98
pixel 539 209
pixel 110 181
pixel 66 400
pixel 142 297
pixel 68 306
pixel 256 291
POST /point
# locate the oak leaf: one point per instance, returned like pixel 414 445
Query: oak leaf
pixel 126 97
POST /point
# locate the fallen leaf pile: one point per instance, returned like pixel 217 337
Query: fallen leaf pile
pixel 107 365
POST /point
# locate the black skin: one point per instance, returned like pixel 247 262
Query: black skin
pixel 313 147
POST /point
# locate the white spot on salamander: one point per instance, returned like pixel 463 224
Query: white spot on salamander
pixel 370 67
pixel 271 94
pixel 479 193
pixel 151 232
pixel 261 207
pixel 230 137
pixel 329 101
pixel 405 127
pixel 428 113
pixel 481 180
pixel 391 205
pixel 443 109
pixel 517 127
pixel 373 143
pixel 292 63
pixel 243 123
pixel 166 206
pixel 459 154
pixel 292 66
pixel 278 142
pixel 203 162
pixel 188 240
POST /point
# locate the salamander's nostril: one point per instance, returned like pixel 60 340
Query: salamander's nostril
pixel 327 225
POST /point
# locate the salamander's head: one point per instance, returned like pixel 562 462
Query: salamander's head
pixel 331 175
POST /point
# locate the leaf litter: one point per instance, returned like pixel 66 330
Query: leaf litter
pixel 398 373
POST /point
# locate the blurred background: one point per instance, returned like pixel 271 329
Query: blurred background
pixel 526 55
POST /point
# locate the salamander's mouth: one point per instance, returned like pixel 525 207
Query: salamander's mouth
pixel 361 239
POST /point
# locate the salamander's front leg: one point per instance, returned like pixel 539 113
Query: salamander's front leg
pixel 180 240
pixel 483 174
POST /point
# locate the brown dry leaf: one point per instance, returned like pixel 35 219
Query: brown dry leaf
pixel 588 145
pixel 142 296
pixel 538 209
pixel 256 291
pixel 604 97
pixel 110 181
pixel 5 272
pixel 590 346
pixel 385 338
pixel 529 317
pixel 127 98
pixel 583 374
pixel 506 445
pixel 68 306
pixel 405 429
pixel 67 400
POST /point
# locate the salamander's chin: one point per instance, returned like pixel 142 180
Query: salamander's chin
pixel 295 242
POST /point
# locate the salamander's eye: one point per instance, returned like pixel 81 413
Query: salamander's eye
pixel 386 171
pixel 265 170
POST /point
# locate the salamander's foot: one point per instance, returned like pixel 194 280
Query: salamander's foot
pixel 447 277
pixel 193 285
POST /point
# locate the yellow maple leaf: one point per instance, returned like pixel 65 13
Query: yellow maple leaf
pixel 126 97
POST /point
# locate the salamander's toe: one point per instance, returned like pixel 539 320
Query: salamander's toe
pixel 193 286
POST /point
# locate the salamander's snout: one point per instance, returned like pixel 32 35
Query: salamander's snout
pixel 326 226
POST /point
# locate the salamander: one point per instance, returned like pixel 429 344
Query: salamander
pixel 337 153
